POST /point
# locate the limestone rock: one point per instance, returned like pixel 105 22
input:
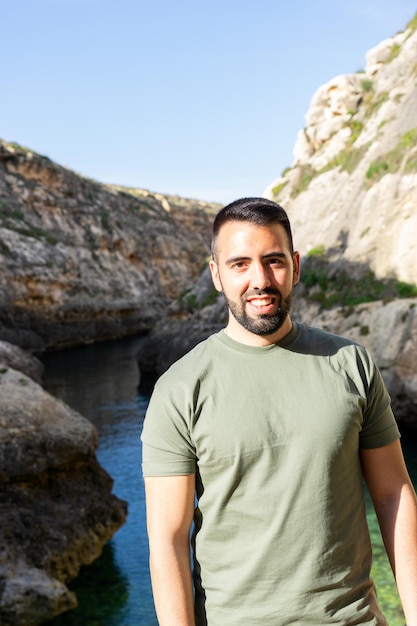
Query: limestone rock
pixel 81 261
pixel 351 195
pixel 331 108
pixel 381 53
pixel 353 181
pixel 30 596
pixel 18 359
pixel 57 509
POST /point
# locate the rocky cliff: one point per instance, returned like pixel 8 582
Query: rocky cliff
pixel 351 195
pixel 81 261
pixel 352 187
pixel 57 509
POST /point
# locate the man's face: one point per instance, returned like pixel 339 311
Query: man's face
pixel 256 272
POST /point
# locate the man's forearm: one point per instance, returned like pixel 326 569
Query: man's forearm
pixel 405 554
pixel 398 524
pixel 172 584
pixel 169 512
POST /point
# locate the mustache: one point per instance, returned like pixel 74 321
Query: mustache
pixel 268 291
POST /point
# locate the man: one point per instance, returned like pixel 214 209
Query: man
pixel 261 436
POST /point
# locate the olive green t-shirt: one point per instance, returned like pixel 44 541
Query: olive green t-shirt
pixel 273 434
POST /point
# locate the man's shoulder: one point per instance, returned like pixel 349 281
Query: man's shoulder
pixel 341 352
pixel 196 358
pixel 314 340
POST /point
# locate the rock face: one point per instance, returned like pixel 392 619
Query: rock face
pixel 81 261
pixel 352 186
pixel 14 357
pixel 351 195
pixel 56 506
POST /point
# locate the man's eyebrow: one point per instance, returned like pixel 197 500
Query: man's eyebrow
pixel 270 255
pixel 236 259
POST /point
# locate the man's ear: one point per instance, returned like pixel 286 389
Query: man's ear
pixel 215 275
pixel 297 268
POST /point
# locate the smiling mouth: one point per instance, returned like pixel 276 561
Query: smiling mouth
pixel 262 305
pixel 261 301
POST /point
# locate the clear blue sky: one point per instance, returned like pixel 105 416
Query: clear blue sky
pixel 200 99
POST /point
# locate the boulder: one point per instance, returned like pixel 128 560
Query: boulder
pixel 18 359
pixel 57 509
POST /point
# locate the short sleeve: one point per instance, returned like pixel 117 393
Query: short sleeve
pixel 379 425
pixel 167 449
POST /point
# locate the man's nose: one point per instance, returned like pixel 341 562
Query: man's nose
pixel 260 276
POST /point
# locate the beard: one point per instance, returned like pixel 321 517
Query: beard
pixel 262 324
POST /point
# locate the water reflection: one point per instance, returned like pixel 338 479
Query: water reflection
pixel 90 377
pixel 102 591
pixel 101 382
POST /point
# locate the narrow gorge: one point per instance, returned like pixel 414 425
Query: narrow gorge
pixel 83 262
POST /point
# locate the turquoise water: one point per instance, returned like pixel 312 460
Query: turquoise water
pixel 102 382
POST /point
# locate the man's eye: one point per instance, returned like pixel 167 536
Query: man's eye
pixel 276 262
pixel 239 265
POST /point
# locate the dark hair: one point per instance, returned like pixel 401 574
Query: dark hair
pixel 259 211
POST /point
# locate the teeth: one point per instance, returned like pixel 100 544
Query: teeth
pixel 261 302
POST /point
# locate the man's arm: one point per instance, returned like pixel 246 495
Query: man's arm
pixel 395 505
pixel 169 513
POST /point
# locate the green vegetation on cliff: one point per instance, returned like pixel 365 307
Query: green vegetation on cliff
pixel 337 287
